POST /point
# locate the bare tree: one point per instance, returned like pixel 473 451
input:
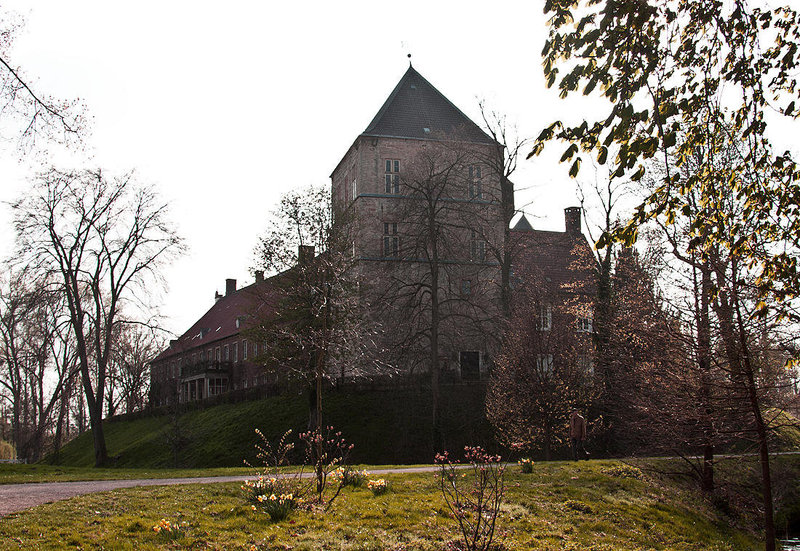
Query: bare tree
pixel 27 113
pixel 99 240
pixel 503 164
pixel 438 275
pixel 135 345
pixel 34 374
pixel 545 368
pixel 309 315
pixel 311 319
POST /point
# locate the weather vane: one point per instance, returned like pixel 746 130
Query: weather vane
pixel 404 45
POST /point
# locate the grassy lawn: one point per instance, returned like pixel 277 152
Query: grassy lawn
pixel 16 474
pixel 600 505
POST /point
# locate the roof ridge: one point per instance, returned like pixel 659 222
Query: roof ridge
pixel 477 134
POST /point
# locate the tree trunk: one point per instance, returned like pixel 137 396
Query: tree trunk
pixel 704 362
pixel 507 199
pixel 737 351
pixel 436 429
pixel 547 445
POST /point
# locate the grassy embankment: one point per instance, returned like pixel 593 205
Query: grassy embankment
pixel 601 505
pixel 387 427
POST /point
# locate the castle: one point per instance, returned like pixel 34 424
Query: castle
pixel 431 211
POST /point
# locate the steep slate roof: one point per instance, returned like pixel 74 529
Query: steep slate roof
pixel 522 225
pixel 220 320
pixel 415 105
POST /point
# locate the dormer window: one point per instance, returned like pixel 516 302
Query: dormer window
pixel 392 177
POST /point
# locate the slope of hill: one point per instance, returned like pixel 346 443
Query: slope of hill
pixel 386 426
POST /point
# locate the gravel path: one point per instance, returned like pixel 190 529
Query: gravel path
pixel 17 497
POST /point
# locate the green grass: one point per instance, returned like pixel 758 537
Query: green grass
pixel 385 426
pixel 19 474
pixel 592 505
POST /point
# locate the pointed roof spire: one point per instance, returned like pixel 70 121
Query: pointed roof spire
pixel 522 224
pixel 415 109
pixel 409 60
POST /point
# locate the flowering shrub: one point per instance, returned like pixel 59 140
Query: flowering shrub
pixel 255 489
pixel 348 477
pixel 473 495
pixel 169 530
pixel 526 465
pixel 278 493
pixel 378 487
pixel 326 452
pixel 277 506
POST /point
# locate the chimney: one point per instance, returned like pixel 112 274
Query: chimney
pixel 572 220
pixel 259 276
pixel 217 296
pixel 230 287
pixel 173 343
pixel 305 254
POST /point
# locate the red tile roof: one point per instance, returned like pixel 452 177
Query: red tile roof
pixel 561 258
pixel 227 317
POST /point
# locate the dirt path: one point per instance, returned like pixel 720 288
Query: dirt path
pixel 18 497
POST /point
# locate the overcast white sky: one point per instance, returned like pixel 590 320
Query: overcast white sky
pixel 225 106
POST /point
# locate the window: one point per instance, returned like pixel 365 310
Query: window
pixel 355 192
pixel 545 317
pixel 466 286
pixel 216 353
pixel 216 386
pixel 583 325
pixel 227 351
pixel 209 355
pixel 255 349
pixel 586 364
pixel 470 363
pixel 477 248
pixel 392 176
pixel 475 182
pixel 391 243
pixel 544 363
pixel 235 352
pixel 244 350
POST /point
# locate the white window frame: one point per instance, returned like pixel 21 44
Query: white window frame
pixel 583 325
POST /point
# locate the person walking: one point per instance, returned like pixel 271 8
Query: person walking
pixel 577 434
